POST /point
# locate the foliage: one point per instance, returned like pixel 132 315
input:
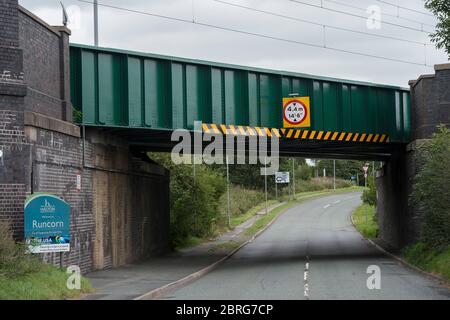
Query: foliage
pixel 194 204
pixel 14 261
pixel 429 259
pixel 77 115
pixel 241 200
pixel 369 195
pixel 365 220
pixel 441 9
pixel 431 188
pixel 23 276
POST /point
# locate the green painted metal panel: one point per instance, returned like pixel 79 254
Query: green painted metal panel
pixel 152 116
pixel 193 99
pixel 235 112
pixel 371 109
pixel 346 109
pixel 270 100
pixel 317 106
pixel 217 112
pixel 157 103
pixel 330 109
pixel 88 87
pixel 135 92
pixel 253 104
pixel 129 89
pixel 198 95
pixel 406 117
pixel 110 90
pixel 359 108
pixel 75 78
pixel 398 115
pixel 178 89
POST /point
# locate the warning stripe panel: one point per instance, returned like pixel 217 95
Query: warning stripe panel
pixel 295 134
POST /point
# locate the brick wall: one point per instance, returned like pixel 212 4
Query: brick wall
pixel 43 65
pixel 121 213
pixel 110 225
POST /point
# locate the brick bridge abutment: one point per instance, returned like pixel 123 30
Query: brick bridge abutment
pixel 112 222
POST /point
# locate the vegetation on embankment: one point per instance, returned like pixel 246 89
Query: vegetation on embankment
pixel 365 221
pixel 431 195
pixel 23 276
pixel 435 261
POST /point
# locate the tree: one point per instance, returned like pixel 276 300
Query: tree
pixel 441 9
pixel 431 188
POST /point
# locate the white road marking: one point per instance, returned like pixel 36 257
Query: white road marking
pixel 327 206
pixel 336 202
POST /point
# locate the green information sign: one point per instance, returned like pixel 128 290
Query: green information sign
pixel 47 223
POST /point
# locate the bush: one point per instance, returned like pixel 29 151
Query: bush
pixel 369 195
pixel 431 188
pixel 14 261
pixel 194 205
pixel 241 200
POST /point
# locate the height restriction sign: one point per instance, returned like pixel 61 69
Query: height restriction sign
pixel 296 112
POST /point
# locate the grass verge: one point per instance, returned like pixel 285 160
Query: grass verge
pixel 428 259
pixel 237 220
pixel 365 221
pixel 49 283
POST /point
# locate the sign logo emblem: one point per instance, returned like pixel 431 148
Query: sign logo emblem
pixel 296 112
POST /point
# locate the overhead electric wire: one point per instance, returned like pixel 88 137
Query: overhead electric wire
pixel 318 24
pixel 358 16
pixel 384 13
pixel 405 8
pixel 255 34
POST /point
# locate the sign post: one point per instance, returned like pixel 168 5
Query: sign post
pixel 281 177
pixel 47 223
pixel 366 168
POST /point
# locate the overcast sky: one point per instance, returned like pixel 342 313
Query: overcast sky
pixel 133 31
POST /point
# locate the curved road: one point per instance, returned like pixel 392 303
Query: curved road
pixel 311 252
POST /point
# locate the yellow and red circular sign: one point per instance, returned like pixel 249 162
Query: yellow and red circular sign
pixel 296 112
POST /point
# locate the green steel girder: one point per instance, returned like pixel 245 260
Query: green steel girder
pixel 117 88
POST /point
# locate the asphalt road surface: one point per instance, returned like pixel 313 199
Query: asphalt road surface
pixel 312 252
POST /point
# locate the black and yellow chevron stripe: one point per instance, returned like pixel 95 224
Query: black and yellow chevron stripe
pixel 295 133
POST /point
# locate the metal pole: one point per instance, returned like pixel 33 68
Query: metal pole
pixel 194 196
pixel 276 190
pixel 228 195
pixel 373 171
pixel 95 23
pixel 265 180
pixel 334 174
pixel 293 178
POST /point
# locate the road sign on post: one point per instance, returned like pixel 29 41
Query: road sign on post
pixel 282 177
pixel 47 223
pixel 365 168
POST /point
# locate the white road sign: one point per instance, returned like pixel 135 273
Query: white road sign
pixel 282 177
